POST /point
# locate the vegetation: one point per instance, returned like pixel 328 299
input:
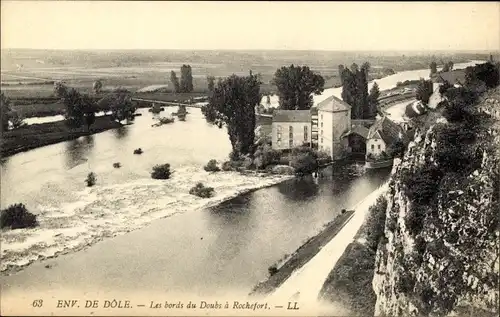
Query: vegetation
pixel 424 90
pixel 138 151
pixel 17 217
pixel 304 160
pixel 8 115
pixel 272 270
pixel 201 191
pixel 186 84
pixel 232 104
pixel 121 105
pixel 373 99
pixel 295 85
pixel 210 83
pixel 165 120
pixel 433 67
pixel 161 171
pixel 175 82
pixel 350 281
pixel 355 90
pixel 265 156
pixel 212 166
pixel 97 86
pixel 91 179
pixel 117 165
pixel 396 149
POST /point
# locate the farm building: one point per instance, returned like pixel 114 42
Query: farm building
pixel 382 135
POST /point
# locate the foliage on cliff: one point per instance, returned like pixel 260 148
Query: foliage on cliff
pixel 442 231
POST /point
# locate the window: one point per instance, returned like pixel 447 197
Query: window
pixel 290 136
pixel 373 147
pixel 321 131
pixel 321 140
pixel 379 146
pixel 321 124
pixel 321 116
pixel 306 135
pixel 279 134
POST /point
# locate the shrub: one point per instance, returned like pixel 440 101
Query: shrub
pixel 248 163
pixel 17 217
pixel 91 179
pixel 396 149
pixel 422 185
pixel 226 166
pixel 283 170
pixel 265 156
pixel 166 120
pixel 375 223
pixel 117 165
pixel 161 171
pixel 272 270
pixel 304 160
pixel 211 166
pixel 138 151
pixel 201 191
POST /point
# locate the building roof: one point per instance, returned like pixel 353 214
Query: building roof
pixel 292 116
pixel 333 104
pixel 264 120
pixel 456 76
pixel 359 130
pixel 387 129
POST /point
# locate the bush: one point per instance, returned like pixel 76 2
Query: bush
pixel 201 191
pixel 166 120
pixel 396 149
pixel 272 270
pixel 265 156
pixel 422 185
pixel 375 223
pixel 17 217
pixel 304 160
pixel 226 166
pixel 138 151
pixel 91 179
pixel 283 170
pixel 161 171
pixel 248 163
pixel 117 165
pixel 211 166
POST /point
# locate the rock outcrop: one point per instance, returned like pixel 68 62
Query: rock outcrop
pixel 440 257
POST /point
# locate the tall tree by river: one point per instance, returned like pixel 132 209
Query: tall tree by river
pixel 186 84
pixel 232 104
pixel 4 111
pixel 175 81
pixel 355 89
pixel 296 84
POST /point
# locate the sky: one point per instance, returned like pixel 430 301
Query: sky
pixel 283 25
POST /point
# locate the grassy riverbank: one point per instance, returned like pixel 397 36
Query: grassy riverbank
pixel 303 254
pixel 38 135
pixel 349 284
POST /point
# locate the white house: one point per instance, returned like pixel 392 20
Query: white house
pixel 334 119
pixel 291 128
pixel 381 135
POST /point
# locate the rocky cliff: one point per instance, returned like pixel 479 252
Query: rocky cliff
pixel 439 256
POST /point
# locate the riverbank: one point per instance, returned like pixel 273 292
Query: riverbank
pixel 107 211
pixel 37 135
pixel 303 254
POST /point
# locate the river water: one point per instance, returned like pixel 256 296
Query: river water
pixel 181 243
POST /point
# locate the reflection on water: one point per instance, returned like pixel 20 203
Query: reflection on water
pixel 77 151
pixel 299 189
pixel 121 132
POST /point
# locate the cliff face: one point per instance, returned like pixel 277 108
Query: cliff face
pixel 449 264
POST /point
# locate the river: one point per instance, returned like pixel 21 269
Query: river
pixel 174 241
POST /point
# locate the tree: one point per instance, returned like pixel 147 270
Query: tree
pixel 446 68
pixel 424 90
pixel 210 83
pixel 186 84
pixel 268 100
pixel 16 120
pixel 296 84
pixel 97 86
pixel 5 110
pixel 355 89
pixel 232 104
pixel 121 105
pixel 433 67
pixel 74 105
pixel 175 81
pixel 373 99
pixel 60 89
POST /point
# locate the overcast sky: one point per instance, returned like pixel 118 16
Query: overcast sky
pixel 250 25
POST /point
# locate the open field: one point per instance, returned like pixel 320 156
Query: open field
pixel 136 69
